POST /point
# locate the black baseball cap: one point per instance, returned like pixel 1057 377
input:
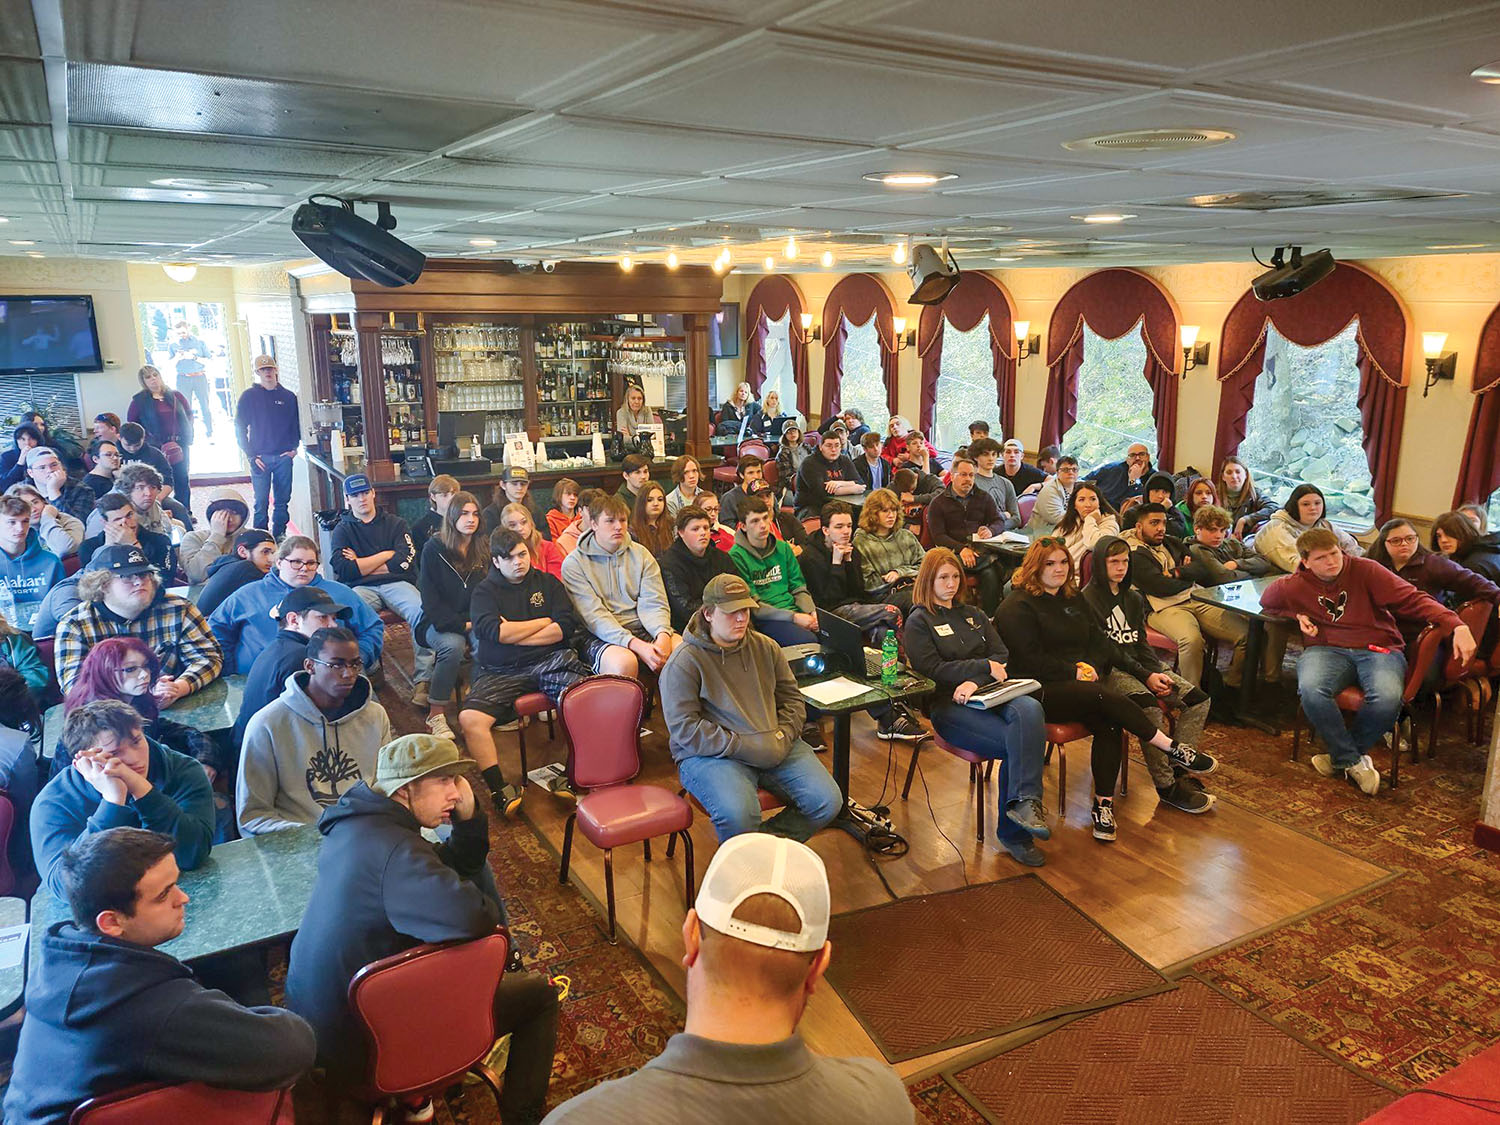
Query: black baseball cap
pixel 122 560
pixel 311 599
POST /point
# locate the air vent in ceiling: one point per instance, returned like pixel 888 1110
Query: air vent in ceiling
pixel 1151 140
pixel 1314 197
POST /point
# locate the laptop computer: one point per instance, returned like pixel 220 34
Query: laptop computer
pixel 844 642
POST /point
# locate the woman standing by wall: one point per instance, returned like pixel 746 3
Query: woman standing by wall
pixel 168 421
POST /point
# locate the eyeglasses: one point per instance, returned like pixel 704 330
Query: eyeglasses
pixel 1401 540
pixel 355 666
pixel 301 564
pixel 1137 456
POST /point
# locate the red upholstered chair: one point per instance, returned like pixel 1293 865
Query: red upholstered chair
pixel 528 707
pixel 601 719
pixel 1472 678
pixel 46 647
pixel 428 1016
pixel 1026 504
pixel 754 447
pixel 812 525
pixel 1165 646
pixel 190 1103
pixel 1058 737
pixel 1423 652
pixel 72 564
pixel 980 771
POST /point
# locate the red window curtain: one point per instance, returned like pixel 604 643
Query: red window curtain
pixel 1313 317
pixel 975 295
pixel 1111 303
pixel 1479 475
pixel 855 299
pixel 773 297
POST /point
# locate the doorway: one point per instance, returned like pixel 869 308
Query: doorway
pixel 188 342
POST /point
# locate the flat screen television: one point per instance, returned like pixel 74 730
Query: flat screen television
pixel 46 335
pixel 723 329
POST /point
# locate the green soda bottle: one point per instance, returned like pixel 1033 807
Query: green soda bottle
pixel 888 661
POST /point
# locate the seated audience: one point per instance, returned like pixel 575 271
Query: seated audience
pixel 1025 479
pixel 18 653
pixel 250 561
pixel 21 772
pixel 124 669
pixel 749 477
pixel 689 563
pixel 1120 481
pixel 313 742
pixel 784 611
pixel 544 555
pixel 1046 458
pixel 791 451
pixel 918 456
pixel 825 475
pixel 771 421
pixel 134 448
pixel 1051 636
pixel 1454 537
pixel 1220 557
pixel 899 440
pixel 142 486
pixel 852 419
pixel 959 515
pixel 59 532
pixel 300 614
pixel 1087 518
pixel 27 569
pixel 1135 671
pixel 734 717
pixel 1477 515
pixel 1052 498
pixel 689 487
pixel 1160 488
pixel 524 631
pixel 634 413
pixel 720 536
pixel 49 477
pixel 650 526
pixel 956 647
pixel 106 427
pixel 373 554
pixel 121 594
pixel 737 411
pixel 121 529
pixel 985 453
pixel 382 888
pixel 1399 550
pixel 756 947
pixel 454 562
pixel 24 438
pixel 873 467
pixel 107 462
pixel 243 623
pixel 1348 610
pixel 914 489
pixel 567 539
pixel 145 1019
pixel 200 549
pixel 1200 491
pixel 440 492
pixel 1276 541
pixel 563 516
pixel 635 471
pixel 59 602
pixel 618 594
pixel 889 555
pixel 835 574
pixel 1247 505
pixel 118 778
pixel 515 488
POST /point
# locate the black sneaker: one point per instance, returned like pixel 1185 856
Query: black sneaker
pixel 507 800
pixel 1104 821
pixel 898 725
pixel 1187 795
pixel 812 734
pixel 1194 761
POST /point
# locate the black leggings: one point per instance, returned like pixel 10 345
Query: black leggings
pixel 1104 713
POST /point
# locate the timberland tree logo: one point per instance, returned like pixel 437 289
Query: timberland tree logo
pixel 329 767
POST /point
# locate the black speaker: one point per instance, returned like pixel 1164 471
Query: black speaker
pixel 356 247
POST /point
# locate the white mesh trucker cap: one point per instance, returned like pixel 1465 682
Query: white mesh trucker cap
pixel 755 863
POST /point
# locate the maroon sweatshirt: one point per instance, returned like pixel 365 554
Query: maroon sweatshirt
pixel 1358 608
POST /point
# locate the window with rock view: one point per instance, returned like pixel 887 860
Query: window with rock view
pixel 863 384
pixel 1305 425
pixel 965 386
pixel 1114 399
pixel 1493 511
pixel 778 367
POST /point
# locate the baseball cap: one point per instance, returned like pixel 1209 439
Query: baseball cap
pixel 311 599
pixel 754 863
pixel 513 472
pixel 252 537
pixel 728 592
pixel 356 484
pixel 263 361
pixel 121 559
pixel 413 757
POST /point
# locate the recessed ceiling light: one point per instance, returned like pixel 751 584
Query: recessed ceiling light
pixel 627 264
pixel 481 242
pixel 770 263
pixel 3 219
pixel 1103 217
pixel 34 254
pixel 909 179
pixel 1005 259
pixel 1489 74
pixel 672 260
pixel 790 250
pixel 32 242
pixel 210 185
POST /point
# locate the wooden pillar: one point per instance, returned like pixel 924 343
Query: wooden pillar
pixel 379 467
pixel 695 326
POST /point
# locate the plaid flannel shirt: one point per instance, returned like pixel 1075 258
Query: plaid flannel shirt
pixel 172 626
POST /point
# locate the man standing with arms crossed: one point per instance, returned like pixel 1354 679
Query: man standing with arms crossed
pixel 270 433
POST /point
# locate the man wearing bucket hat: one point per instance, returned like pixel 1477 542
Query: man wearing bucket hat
pixel 382 888
pixel 756 946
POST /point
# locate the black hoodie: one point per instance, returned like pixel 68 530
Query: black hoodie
pixel 386 532
pixel 267 678
pixel 497 599
pixel 1177 526
pixel 1121 617
pixel 103 1014
pixel 684 574
pixel 1048 635
pixel 446 593
pixel 832 586
pixel 226 574
pixel 381 888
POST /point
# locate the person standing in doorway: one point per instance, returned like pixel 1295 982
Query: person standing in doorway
pixel 187 352
pixel 269 431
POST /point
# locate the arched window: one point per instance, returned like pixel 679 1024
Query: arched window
pixel 777 351
pixel 965 386
pixel 1114 399
pixel 864 376
pixel 1305 424
pixel 777 301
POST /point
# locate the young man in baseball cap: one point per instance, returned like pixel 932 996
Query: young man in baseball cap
pixel 756 948
pixel 514 488
pixel 270 433
pixel 382 888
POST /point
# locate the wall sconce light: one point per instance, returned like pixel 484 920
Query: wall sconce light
pixel 1194 354
pixel 1440 364
pixel 904 339
pixel 810 331
pixel 1026 344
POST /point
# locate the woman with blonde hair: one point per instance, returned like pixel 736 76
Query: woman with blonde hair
pixel 1052 638
pixel 771 421
pixel 168 421
pixel 545 554
pixel 650 526
pixel 890 554
pixel 635 413
pixel 735 414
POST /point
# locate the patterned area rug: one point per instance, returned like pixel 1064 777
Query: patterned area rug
pixel 1186 1056
pixel 937 971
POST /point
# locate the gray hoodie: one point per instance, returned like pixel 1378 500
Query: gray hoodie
pixel 739 702
pixel 1276 541
pixel 618 596
pixel 296 762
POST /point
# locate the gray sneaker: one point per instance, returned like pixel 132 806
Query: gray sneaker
pixel 1028 814
pixel 1364 774
pixel 1024 852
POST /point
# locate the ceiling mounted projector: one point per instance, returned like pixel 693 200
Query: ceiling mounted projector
pixel 1288 278
pixel 932 278
pixel 356 247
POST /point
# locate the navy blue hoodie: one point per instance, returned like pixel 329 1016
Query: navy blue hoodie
pixel 103 1014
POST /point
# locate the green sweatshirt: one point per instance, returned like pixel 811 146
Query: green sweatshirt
pixel 775 577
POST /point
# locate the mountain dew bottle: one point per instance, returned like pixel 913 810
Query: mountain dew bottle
pixel 888 661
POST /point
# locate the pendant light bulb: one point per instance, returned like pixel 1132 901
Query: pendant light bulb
pixel 827 259
pixel 790 253
pixel 672 259
pixel 627 264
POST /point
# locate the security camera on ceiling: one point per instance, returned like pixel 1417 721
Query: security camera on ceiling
pixel 1287 278
pixel 932 278
pixel 356 247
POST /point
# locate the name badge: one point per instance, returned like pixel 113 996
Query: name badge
pixel 943 630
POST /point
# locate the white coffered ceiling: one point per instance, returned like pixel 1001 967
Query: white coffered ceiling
pixel 578 128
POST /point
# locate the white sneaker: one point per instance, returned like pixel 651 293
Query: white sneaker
pixel 438 725
pixel 1323 763
pixel 1364 774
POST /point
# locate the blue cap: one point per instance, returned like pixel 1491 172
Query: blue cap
pixel 354 485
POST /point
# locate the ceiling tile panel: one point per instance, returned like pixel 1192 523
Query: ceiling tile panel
pixel 224 157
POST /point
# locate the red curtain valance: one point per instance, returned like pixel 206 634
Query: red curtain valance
pixel 855 299
pixel 973 296
pixel 1111 302
pixel 1479 475
pixel 773 297
pixel 1313 317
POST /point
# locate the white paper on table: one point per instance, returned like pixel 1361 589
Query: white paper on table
pixel 12 945
pixel 836 690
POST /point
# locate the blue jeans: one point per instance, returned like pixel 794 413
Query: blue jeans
pixel 275 478
pixel 787 632
pixel 1324 671
pixel 405 599
pixel 726 788
pixel 1014 735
